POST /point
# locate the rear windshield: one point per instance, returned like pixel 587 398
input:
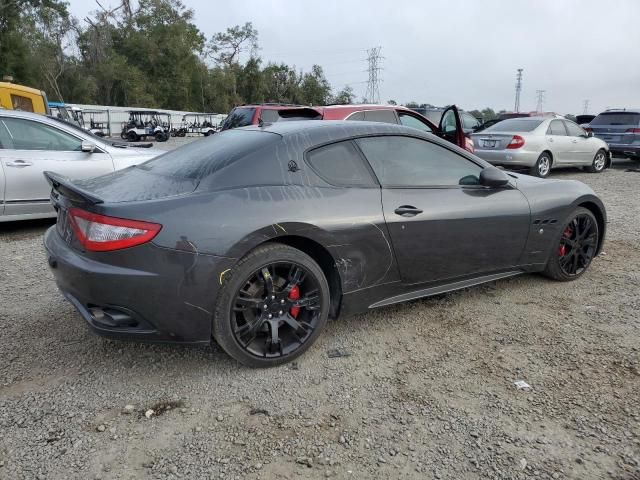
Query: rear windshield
pixel 198 159
pixel 239 117
pixel 617 118
pixel 515 125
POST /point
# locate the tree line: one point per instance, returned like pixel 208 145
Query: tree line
pixel 147 54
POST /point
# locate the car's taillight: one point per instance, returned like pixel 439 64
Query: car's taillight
pixel 100 233
pixel 516 142
pixel 468 145
pixel 632 130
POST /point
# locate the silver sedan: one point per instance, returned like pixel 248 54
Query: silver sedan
pixel 540 144
pixel 31 144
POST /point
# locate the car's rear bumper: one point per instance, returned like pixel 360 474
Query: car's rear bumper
pixel 624 150
pixel 510 158
pixel 165 296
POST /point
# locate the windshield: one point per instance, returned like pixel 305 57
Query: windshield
pixel 239 117
pixel 76 127
pixel 515 125
pixel 617 118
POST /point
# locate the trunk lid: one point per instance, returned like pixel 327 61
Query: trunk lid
pixel 492 141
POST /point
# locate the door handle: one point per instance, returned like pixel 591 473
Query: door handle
pixel 574 141
pixel 407 211
pixel 18 163
pixel 551 139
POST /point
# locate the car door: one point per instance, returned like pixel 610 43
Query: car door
pixel 33 147
pixel 451 127
pixel 414 121
pixel 580 147
pixel 558 142
pixel 442 223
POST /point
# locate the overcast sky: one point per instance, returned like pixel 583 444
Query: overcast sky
pixel 455 51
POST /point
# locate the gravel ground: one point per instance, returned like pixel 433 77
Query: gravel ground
pixel 427 391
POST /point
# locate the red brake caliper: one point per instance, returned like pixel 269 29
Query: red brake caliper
pixel 294 294
pixel 563 248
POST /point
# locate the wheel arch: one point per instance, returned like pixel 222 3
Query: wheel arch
pixel 600 218
pixel 546 150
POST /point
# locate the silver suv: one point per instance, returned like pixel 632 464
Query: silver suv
pixel 31 144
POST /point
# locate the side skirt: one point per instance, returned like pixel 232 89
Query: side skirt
pixel 449 287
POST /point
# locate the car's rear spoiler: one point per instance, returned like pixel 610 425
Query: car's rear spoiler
pixel 66 187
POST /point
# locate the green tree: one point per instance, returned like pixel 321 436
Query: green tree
pixel 314 88
pixel 344 96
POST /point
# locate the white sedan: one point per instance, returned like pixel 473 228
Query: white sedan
pixel 31 144
pixel 540 144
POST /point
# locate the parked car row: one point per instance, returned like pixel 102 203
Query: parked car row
pixel 448 126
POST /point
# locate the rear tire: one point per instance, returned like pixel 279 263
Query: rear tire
pixel 255 301
pixel 574 246
pixel 599 162
pixel 542 167
pixel 132 136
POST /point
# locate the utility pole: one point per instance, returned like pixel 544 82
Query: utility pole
pixel 585 110
pixel 373 85
pixel 516 108
pixel 540 100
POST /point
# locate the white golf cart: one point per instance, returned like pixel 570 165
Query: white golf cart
pixel 146 123
pixel 198 123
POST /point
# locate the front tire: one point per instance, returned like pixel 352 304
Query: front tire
pixel 271 307
pixel 542 167
pixel 599 162
pixel 574 247
pixel 132 136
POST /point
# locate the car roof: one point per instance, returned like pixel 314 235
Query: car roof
pixel 621 110
pixel 21 114
pixel 21 88
pixel 342 128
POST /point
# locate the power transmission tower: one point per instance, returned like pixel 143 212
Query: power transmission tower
pixel 540 100
pixel 585 110
pixel 516 108
pixel 373 85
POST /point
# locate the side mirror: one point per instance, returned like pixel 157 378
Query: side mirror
pixel 589 134
pixel 493 177
pixel 87 147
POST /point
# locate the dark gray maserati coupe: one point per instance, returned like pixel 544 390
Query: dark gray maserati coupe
pixel 255 236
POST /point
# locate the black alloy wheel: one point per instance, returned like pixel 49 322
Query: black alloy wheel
pixel 276 302
pixel 576 246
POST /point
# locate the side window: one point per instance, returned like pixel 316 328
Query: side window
pixel 449 122
pixel 383 116
pixel 269 116
pixel 409 120
pixel 356 116
pixel 412 162
pixel 469 122
pixel 340 164
pixel 6 142
pixel 573 129
pixel 556 128
pixel 21 103
pixel 29 135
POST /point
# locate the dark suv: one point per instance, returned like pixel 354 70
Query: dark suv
pixel 621 130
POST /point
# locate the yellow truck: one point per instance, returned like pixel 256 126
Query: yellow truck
pixel 19 97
